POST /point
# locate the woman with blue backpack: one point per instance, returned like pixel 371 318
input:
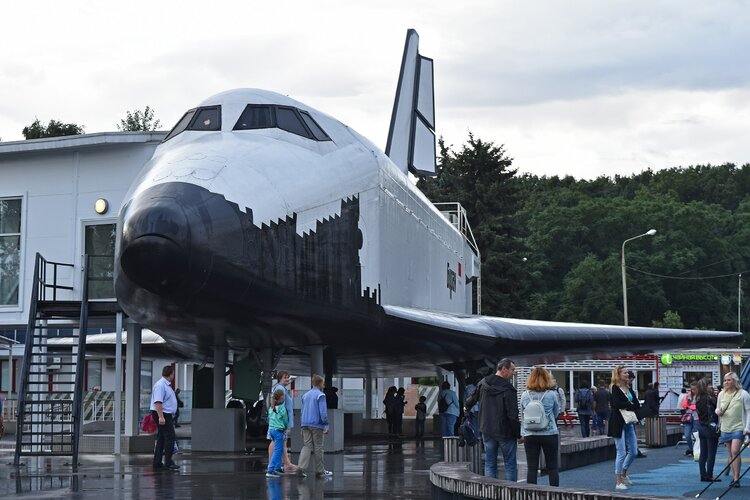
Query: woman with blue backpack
pixel 539 410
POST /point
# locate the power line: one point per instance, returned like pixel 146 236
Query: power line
pixel 687 277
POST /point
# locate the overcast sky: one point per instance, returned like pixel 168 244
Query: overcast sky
pixel 585 88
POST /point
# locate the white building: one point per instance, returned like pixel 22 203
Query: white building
pixel 59 197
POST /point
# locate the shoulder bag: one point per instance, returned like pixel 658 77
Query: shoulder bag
pixel 627 415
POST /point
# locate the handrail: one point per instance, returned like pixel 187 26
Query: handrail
pixel 27 353
pixel 461 223
pixel 81 359
pixel 41 277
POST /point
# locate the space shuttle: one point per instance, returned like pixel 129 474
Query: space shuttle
pixel 263 223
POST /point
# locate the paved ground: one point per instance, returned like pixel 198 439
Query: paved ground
pixel 376 470
pixel 664 472
pixel 368 469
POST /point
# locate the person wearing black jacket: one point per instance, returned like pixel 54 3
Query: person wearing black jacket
pixel 498 419
pixel 705 405
pixel 623 398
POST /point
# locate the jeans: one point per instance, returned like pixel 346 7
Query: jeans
pixel 448 424
pixel 508 447
pixel 549 445
pixel 627 447
pixel 709 442
pixel 603 416
pixel 687 430
pixel 278 450
pixel 313 439
pixel 585 429
pixel 164 439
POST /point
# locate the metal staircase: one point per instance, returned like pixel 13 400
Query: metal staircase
pixel 50 407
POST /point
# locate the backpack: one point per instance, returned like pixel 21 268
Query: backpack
pixel 585 400
pixel 442 405
pixel 534 416
pixel 468 430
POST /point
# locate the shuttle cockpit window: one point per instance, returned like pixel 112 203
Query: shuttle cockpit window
pixel 181 125
pixel 293 120
pixel 255 117
pixel 207 119
pixel 287 119
pixel 314 127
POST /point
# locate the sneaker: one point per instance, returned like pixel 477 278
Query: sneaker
pixel 301 473
pixel 626 481
pixel 688 452
pixel 621 486
pixel 326 473
pixel 272 474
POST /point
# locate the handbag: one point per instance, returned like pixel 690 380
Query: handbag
pixel 629 416
pixel 686 417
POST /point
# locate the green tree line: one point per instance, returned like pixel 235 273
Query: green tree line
pixel 551 246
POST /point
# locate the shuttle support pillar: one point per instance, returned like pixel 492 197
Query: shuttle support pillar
pixel 133 379
pixel 219 385
pixel 316 360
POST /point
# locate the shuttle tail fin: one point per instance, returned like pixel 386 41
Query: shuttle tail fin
pixel 411 138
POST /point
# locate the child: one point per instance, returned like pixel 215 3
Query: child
pixel 421 408
pixel 278 419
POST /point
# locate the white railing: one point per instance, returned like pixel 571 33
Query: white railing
pixel 456 215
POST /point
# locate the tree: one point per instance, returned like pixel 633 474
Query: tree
pixel 479 176
pixel 671 320
pixel 54 128
pixel 139 121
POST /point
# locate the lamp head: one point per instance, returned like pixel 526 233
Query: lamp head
pixel 651 232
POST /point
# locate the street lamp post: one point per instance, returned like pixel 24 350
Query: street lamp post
pixel 650 232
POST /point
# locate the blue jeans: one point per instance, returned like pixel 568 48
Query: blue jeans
pixel 278 450
pixel 709 442
pixel 627 447
pixel 448 424
pixel 508 447
pixel 585 429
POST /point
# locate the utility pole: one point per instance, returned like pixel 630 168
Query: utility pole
pixel 739 303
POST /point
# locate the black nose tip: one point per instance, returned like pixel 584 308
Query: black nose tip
pixel 155 263
pixel 155 247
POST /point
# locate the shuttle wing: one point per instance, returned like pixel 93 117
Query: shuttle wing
pixel 548 340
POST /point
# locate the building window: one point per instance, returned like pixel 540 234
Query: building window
pixel 10 250
pixel 6 378
pixel 147 371
pixel 94 374
pixel 100 248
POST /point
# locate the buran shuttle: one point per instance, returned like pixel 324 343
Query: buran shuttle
pixel 262 223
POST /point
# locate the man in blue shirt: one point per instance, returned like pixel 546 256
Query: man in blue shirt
pixel 163 407
pixel 314 423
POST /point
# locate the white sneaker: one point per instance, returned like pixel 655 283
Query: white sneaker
pixel 626 481
pixel 325 473
pixel 621 486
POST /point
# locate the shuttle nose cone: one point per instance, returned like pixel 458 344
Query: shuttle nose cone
pixel 155 246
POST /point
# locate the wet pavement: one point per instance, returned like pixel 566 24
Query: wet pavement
pixel 377 469
pixel 371 468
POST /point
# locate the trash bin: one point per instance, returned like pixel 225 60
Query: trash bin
pixel 656 432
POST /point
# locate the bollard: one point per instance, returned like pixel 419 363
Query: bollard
pixel 450 449
pixel 474 457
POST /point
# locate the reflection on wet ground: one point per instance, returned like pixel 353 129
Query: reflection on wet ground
pixel 375 468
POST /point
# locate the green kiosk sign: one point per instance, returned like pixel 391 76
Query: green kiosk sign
pixel 668 358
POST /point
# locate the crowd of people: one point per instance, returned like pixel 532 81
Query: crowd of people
pixel 713 419
pixel 614 407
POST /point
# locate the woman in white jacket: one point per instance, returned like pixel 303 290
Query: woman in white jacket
pixel 733 406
